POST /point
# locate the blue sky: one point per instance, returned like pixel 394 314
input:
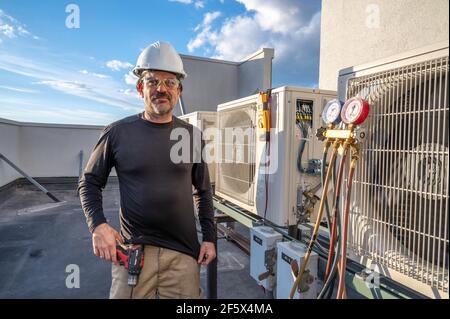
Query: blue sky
pixel 55 74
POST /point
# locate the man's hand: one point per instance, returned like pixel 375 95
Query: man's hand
pixel 207 253
pixel 104 242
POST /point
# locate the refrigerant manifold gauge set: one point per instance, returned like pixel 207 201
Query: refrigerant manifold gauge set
pixel 340 136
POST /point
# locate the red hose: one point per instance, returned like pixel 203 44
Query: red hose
pixel 337 193
pixel 343 264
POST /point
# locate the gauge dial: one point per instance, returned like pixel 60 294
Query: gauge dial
pixel 355 111
pixel 332 112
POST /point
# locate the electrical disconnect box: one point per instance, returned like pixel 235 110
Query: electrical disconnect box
pixel 308 288
pixel 263 242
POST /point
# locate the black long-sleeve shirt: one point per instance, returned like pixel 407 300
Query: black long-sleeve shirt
pixel 156 198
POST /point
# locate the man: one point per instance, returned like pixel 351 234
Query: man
pixel 155 191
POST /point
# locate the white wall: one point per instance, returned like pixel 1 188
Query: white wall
pixel 211 82
pixel 45 150
pixel 350 35
pixel 255 73
pixel 9 147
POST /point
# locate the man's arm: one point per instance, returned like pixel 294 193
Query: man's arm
pixel 204 202
pixel 90 189
pixel 94 179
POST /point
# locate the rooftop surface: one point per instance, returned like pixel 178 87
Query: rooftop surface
pixel 40 238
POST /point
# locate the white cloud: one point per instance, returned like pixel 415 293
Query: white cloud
pixel 7 17
pixel 199 4
pixel 239 37
pixel 97 75
pixel 27 111
pixel 117 65
pixel 7 30
pixel 16 89
pixel 130 92
pixel 130 78
pixel 205 34
pixel 11 28
pixel 65 86
pixel 69 81
pixel 111 96
pixel 182 1
pixel 292 27
pixel 276 15
pixel 209 18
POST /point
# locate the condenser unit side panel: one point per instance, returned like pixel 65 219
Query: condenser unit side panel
pixel 272 179
pixel 295 177
pixel 290 163
pixel 208 122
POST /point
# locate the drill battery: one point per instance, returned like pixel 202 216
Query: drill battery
pixel 132 257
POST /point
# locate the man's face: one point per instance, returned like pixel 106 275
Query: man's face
pixel 159 99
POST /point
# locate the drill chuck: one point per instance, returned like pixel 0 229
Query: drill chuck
pixel 132 280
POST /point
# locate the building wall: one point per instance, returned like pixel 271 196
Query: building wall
pixel 54 151
pixel 211 82
pixel 208 83
pixel 255 73
pixel 45 150
pixel 9 147
pixel 354 32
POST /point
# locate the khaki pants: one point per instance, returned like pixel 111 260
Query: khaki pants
pixel 166 274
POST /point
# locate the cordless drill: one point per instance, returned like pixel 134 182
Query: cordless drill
pixel 132 257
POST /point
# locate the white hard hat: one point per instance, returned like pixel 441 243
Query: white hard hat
pixel 159 56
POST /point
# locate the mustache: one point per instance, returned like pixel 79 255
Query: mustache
pixel 159 95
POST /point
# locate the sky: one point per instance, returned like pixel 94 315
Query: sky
pixel 71 61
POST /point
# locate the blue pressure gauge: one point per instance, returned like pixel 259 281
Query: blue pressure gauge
pixel 332 112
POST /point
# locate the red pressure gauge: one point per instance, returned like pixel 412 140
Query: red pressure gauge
pixel 355 111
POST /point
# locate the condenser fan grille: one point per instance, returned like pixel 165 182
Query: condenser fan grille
pixel 401 200
pixel 236 165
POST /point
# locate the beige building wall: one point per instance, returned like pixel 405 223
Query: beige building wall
pixel 354 32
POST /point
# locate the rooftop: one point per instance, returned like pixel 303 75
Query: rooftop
pixel 40 238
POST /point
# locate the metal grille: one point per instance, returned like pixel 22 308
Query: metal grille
pixel 400 213
pixel 235 176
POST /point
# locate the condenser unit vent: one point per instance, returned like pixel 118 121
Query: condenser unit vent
pixel 236 177
pixel 400 215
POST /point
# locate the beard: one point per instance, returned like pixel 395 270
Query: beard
pixel 160 108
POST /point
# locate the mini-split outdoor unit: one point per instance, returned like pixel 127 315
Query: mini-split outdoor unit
pixel 245 177
pixel 399 220
pixel 204 120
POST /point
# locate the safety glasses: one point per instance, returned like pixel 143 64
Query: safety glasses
pixel 171 83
